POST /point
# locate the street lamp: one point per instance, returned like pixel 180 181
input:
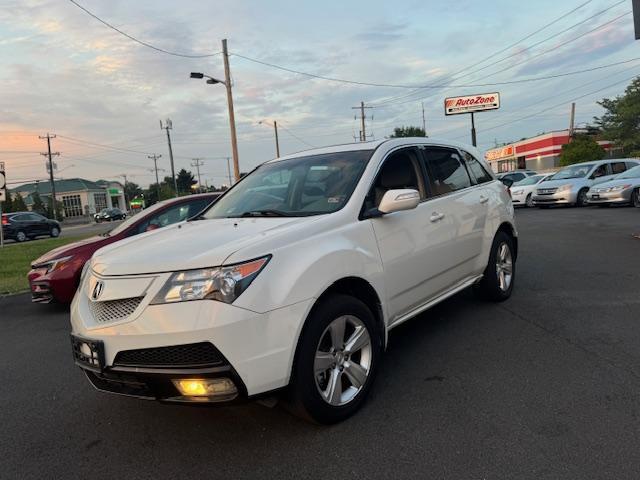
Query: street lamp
pixel 232 121
pixel 275 129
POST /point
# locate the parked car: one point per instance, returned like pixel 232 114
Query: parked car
pixel 109 215
pixel 522 191
pixel 22 226
pixel 516 175
pixel 623 189
pixel 570 185
pixel 295 276
pixel 56 274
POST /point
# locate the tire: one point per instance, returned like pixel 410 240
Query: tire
pixel 21 236
pixel 328 384
pixel 529 201
pixel 635 198
pixel 581 199
pixel 55 232
pixel 497 282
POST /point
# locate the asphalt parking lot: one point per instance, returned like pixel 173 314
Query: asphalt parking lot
pixel 545 385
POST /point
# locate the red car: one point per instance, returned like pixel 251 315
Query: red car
pixel 56 274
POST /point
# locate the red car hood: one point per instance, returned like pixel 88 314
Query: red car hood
pixel 86 246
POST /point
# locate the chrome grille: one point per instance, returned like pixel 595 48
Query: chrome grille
pixel 112 310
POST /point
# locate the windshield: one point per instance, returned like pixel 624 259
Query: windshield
pixel 530 180
pixel 574 171
pixel 631 173
pixel 302 186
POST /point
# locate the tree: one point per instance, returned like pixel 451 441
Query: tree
pixel 151 193
pixel 7 205
pixel 620 122
pixel 18 204
pixel 185 181
pixel 48 211
pixel 582 148
pixel 399 132
pixel 38 204
pixel 132 190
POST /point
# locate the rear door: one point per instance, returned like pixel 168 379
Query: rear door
pixel 40 225
pixel 464 200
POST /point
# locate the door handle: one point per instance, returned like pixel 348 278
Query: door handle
pixel 435 216
pixel 483 199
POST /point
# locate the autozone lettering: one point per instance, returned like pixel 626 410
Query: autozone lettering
pixel 472 103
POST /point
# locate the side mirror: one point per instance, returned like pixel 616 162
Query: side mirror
pixel 398 200
pixel 507 182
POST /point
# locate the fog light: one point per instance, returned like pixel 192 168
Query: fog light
pixel 206 387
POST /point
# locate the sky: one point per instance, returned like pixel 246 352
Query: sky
pixel 102 94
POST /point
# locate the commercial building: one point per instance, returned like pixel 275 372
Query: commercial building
pixel 79 197
pixel 540 153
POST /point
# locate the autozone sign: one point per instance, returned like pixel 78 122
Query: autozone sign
pixel 471 103
pixel 497 153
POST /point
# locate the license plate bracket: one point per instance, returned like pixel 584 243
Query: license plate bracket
pixel 595 196
pixel 88 353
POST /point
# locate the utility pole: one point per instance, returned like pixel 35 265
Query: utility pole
pixel 572 117
pixel 275 129
pixel 232 117
pixel 126 201
pixel 363 132
pixel 155 158
pixel 168 125
pixel 473 131
pixel 424 123
pixel 229 172
pixel 197 162
pixel 52 183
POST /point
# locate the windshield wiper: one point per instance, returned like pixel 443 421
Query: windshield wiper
pixel 266 213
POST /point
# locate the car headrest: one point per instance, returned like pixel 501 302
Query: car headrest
pixel 398 174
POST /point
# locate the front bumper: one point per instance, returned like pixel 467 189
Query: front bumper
pixel 566 197
pixel 55 286
pixel 621 197
pixel 257 348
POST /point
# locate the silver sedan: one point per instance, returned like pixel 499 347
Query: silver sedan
pixel 623 189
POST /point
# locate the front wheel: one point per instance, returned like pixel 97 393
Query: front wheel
pixel 581 200
pixel 336 360
pixel 529 201
pixel 55 232
pixel 635 198
pixel 498 278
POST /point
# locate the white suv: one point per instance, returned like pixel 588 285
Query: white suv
pixel 295 276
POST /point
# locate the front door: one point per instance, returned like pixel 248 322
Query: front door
pixel 413 244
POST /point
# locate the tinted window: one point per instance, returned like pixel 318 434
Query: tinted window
pixel 171 215
pixel 197 206
pixel 20 218
pixel 476 169
pixel 400 170
pixel 446 171
pixel 36 217
pixel 618 167
pixel 601 171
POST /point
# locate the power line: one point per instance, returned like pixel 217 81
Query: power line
pixel 148 45
pixel 296 136
pixel 100 145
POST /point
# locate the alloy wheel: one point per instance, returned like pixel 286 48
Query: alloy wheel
pixel 21 237
pixel 55 232
pixel 636 198
pixel 343 360
pixel 504 267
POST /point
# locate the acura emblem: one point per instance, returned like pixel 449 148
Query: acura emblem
pixel 97 290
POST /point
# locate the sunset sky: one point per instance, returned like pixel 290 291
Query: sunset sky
pixel 65 73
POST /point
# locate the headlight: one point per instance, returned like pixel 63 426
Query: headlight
pixel 517 192
pixel 85 268
pixel 224 284
pixel 564 188
pixel 619 188
pixel 51 265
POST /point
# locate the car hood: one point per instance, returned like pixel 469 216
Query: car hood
pixel 190 245
pixel 71 249
pixel 559 183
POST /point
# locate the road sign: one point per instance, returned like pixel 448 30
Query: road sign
pixel 471 103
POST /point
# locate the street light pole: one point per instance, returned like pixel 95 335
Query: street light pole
pixel 168 125
pixel 275 129
pixel 155 158
pixel 232 117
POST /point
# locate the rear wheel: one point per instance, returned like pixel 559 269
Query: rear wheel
pixel 336 360
pixel 497 282
pixel 21 236
pixel 581 200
